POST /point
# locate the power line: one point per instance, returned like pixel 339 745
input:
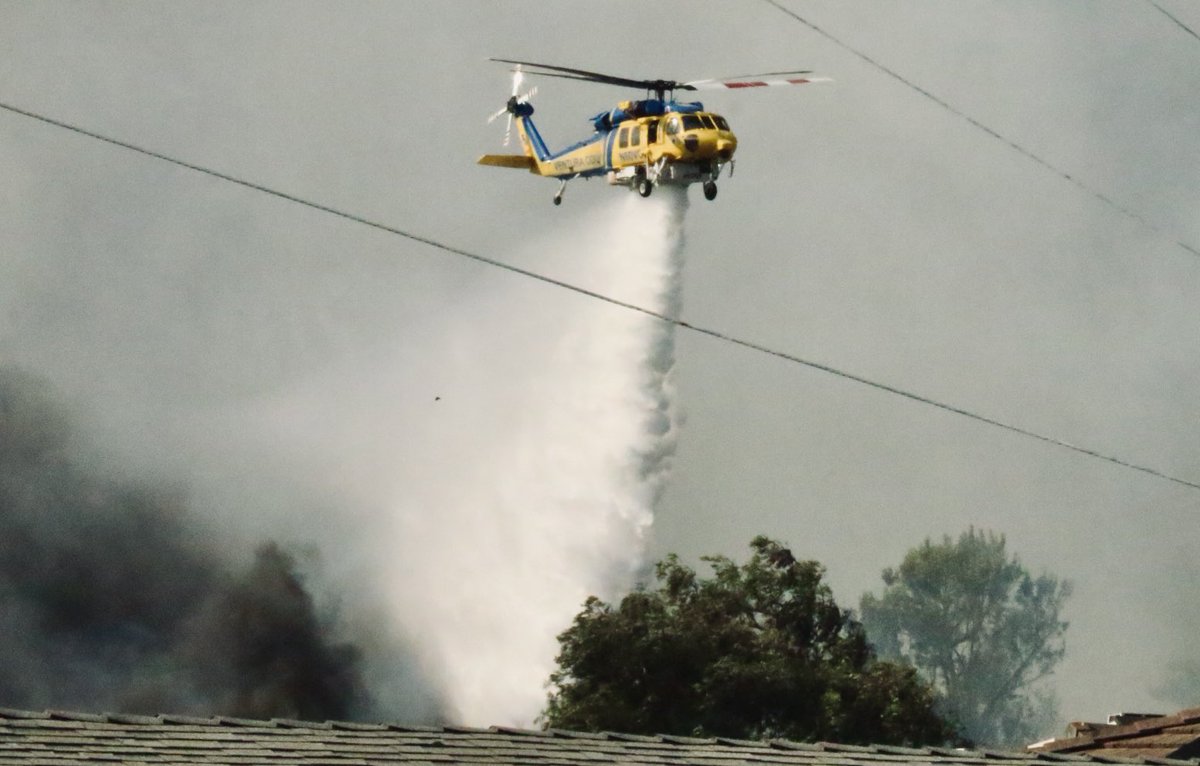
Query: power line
pixel 605 298
pixel 1183 26
pixel 976 123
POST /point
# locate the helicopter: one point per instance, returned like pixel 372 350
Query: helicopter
pixel 639 144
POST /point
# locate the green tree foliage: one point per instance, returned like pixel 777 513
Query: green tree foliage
pixel 756 651
pixel 980 627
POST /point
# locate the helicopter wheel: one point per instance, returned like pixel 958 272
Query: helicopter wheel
pixel 710 190
pixel 558 200
pixel 644 187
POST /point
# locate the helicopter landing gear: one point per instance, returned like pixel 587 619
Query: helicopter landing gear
pixel 710 190
pixel 562 185
pixel 644 186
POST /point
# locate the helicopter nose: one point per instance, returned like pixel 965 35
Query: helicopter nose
pixel 725 148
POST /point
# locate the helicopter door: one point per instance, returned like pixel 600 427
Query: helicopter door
pixel 617 146
pixel 635 140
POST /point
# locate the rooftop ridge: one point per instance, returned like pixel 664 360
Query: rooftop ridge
pixel 1122 732
pixel 95 730
pixel 1145 740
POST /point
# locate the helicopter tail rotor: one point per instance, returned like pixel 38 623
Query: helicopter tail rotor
pixel 515 100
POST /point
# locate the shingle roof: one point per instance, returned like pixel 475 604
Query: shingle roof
pixel 71 739
pixel 1168 736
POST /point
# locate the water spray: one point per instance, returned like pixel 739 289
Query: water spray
pixel 554 505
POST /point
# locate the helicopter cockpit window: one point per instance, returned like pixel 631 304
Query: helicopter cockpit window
pixel 721 123
pixel 708 121
pixel 672 126
pixel 692 122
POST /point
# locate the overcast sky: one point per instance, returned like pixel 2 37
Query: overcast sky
pixel 282 362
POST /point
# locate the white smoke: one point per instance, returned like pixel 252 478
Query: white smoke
pixel 560 439
pixel 469 453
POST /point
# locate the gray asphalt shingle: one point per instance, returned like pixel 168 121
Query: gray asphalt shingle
pixel 79 739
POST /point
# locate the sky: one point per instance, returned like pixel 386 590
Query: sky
pixel 993 206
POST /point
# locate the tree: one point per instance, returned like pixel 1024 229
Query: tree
pixel 759 650
pixel 980 628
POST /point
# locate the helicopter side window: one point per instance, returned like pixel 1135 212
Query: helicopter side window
pixel 652 132
pixel 708 122
pixel 721 123
pixel 623 138
pixel 692 122
pixel 672 126
pixel 635 135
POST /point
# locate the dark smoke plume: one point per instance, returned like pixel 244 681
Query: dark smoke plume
pixel 112 598
pixel 259 645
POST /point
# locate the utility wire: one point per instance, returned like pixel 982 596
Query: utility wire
pixel 606 299
pixel 1013 144
pixel 1183 26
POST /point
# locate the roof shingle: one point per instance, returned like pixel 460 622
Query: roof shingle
pixel 80 739
pixel 1169 736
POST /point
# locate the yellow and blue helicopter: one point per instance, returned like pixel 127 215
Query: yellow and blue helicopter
pixel 639 144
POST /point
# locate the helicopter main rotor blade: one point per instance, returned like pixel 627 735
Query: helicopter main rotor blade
pixel 753 81
pixel 753 76
pixel 583 74
pixel 766 79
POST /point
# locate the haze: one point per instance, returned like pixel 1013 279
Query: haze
pixel 294 369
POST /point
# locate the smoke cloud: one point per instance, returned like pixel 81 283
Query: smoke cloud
pixel 1178 681
pixel 459 531
pixel 109 599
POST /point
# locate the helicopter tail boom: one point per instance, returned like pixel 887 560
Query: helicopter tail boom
pixel 518 161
